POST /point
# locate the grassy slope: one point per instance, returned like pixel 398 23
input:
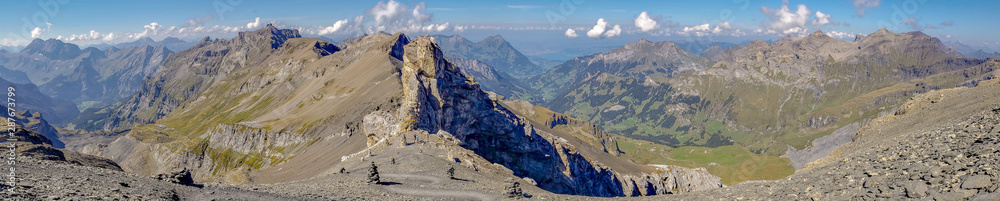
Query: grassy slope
pixel 733 164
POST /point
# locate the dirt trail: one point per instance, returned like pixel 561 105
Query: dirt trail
pixel 431 192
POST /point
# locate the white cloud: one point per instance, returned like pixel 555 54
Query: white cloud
pixel 392 16
pixel 645 23
pixel 436 27
pixel 600 30
pixel 571 33
pixel 823 19
pixel 332 29
pixel 37 32
pixel 154 30
pixel 458 28
pixel 254 24
pixel 722 28
pixel 785 21
pixel 837 34
pixel 703 27
pixel 861 5
pixel 613 32
pixel 9 42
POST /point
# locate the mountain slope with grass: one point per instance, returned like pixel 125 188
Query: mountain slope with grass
pixel 768 99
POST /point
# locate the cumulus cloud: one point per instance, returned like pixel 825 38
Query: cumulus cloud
pixel 37 32
pixel 436 27
pixel 389 16
pixel 571 33
pixel 392 16
pixel 785 21
pixel 191 27
pixel 613 32
pixel 861 5
pixel 332 29
pixel 722 28
pixel 822 19
pixel 9 42
pixel 254 24
pixel 645 23
pixel 702 27
pixel 837 34
pixel 600 30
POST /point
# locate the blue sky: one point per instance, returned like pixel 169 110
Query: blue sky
pixel 538 26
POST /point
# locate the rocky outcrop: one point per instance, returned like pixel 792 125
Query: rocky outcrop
pixel 821 146
pixel 247 139
pixel 32 144
pixel 670 180
pixel 438 98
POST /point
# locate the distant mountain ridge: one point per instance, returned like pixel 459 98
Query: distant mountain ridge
pixel 171 43
pixel 88 77
pixel 805 81
pixel 493 50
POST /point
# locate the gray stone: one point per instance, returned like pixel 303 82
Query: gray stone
pixel 916 189
pixel 976 182
pixel 986 197
pixel 949 196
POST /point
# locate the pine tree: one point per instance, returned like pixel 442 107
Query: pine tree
pixel 373 177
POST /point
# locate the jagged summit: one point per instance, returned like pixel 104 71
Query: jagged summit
pixel 52 48
pixel 495 39
pixel 270 34
pixel 882 31
pixel 494 51
pixel 789 37
pixel 818 33
pixel 916 33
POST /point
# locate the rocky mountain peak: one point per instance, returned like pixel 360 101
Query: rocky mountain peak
pixel 145 40
pixel 172 40
pixel 789 37
pixel 53 49
pixel 494 39
pixel 268 34
pixel 817 33
pixel 423 56
pixel 916 33
pixel 882 31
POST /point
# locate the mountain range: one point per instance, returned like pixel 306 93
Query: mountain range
pixel 272 110
pixel 493 51
pixel 87 77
